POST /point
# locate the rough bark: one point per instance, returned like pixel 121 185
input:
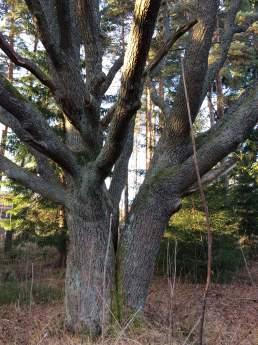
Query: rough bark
pixel 87 295
pixel 147 219
pixel 161 193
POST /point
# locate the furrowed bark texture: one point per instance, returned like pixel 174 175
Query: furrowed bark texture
pixel 86 293
pixel 148 218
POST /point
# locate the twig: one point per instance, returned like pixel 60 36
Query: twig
pixel 127 325
pixel 205 207
pixel 192 330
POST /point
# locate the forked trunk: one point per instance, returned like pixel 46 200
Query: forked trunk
pixel 90 263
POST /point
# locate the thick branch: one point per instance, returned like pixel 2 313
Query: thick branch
pixel 65 24
pixel 26 121
pixel 149 70
pixel 45 13
pixel 195 66
pixel 88 11
pixel 26 63
pixel 51 191
pixel 145 15
pixel 233 130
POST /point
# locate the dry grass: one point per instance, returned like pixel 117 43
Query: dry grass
pixel 232 319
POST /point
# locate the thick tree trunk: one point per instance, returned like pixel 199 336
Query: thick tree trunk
pixel 90 263
pixel 147 219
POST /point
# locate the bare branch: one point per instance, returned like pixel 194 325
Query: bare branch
pixel 111 75
pixel 28 123
pixel 145 15
pixel 26 63
pixel 54 192
pixel 213 175
pixel 162 52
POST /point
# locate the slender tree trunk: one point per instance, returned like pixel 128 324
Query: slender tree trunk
pixel 90 262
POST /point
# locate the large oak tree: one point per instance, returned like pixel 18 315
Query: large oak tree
pixel 101 270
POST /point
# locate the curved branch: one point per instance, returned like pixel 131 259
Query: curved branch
pixel 26 63
pixel 51 191
pixel 28 122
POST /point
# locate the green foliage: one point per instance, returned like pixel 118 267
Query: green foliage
pixel 233 205
pixel 189 231
pixel 245 188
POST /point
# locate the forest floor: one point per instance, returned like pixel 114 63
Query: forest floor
pixel 171 317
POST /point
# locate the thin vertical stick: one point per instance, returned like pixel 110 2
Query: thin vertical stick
pixel 31 285
pixel 205 207
pixel 246 266
pixel 172 293
pixel 104 276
